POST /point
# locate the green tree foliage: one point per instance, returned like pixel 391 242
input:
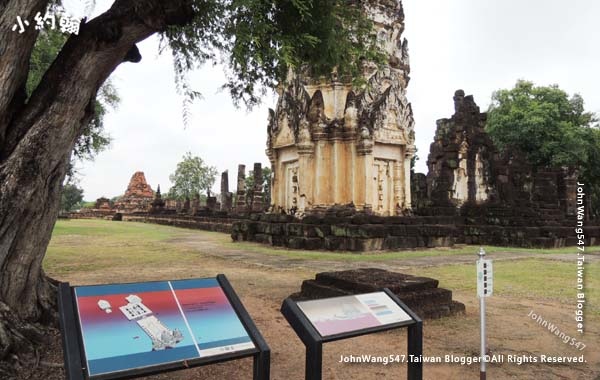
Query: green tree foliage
pixel 191 177
pixel 550 128
pixel 94 138
pixel 89 204
pixel 260 41
pixel 71 197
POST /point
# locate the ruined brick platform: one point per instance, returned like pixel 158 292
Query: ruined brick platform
pixel 336 231
pixel 216 223
pixel 421 294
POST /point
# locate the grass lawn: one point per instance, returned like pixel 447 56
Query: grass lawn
pixel 98 251
pixel 390 255
pixel 545 280
pixel 98 245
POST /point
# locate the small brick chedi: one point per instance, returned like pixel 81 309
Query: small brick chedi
pixel 421 294
pixel 138 197
pixel 331 143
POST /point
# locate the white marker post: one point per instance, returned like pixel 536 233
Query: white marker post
pixel 485 287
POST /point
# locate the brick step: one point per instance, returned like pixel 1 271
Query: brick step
pixel 312 289
pixel 422 298
pixel 437 211
pixel 439 311
pixel 420 294
pixel 419 298
pixel 369 280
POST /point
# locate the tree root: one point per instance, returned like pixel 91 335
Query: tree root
pixel 19 342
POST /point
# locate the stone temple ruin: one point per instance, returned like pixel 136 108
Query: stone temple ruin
pixel 421 294
pixel 473 194
pixel 250 200
pixel 465 168
pixel 497 197
pixel 341 159
pixel 330 143
pixel 138 196
pixel 140 200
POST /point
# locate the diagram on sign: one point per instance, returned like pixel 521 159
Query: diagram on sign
pixel 350 313
pixel 161 336
pixel 125 326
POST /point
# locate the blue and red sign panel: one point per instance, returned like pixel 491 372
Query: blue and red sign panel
pixel 138 325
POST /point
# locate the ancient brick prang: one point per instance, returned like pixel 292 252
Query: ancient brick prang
pixel 138 197
pixel 330 142
pixel 138 187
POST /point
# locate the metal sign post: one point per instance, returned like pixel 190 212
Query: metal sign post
pixel 310 330
pixel 484 289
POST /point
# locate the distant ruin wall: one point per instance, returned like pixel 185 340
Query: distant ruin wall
pixel 497 197
pixel 92 214
pixel 465 167
pixel 208 223
pixel 359 232
pixel 363 232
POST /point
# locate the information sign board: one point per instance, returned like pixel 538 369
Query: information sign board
pixel 330 319
pixel 337 315
pixel 139 328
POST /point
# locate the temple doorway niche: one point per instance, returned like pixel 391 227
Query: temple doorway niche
pixel 382 187
pixel 291 185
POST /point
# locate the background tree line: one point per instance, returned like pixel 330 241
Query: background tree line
pixel 551 128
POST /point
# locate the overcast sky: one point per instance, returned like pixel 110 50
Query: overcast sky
pixel 478 46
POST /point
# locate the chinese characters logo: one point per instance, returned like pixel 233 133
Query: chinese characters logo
pixel 69 15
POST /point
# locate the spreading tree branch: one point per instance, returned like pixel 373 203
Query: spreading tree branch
pixel 87 60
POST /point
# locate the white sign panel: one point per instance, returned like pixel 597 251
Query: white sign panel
pixel 338 315
pixel 485 279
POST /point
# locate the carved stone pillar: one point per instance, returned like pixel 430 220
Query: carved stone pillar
pixel 364 150
pixel 257 194
pixel 195 204
pixel 307 178
pixel 226 196
pixel 275 177
pixel 408 156
pixel 399 183
pixel 241 189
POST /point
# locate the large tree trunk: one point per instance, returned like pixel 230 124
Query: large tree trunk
pixel 37 136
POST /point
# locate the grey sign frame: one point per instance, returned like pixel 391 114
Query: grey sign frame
pixel 74 356
pixel 313 340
